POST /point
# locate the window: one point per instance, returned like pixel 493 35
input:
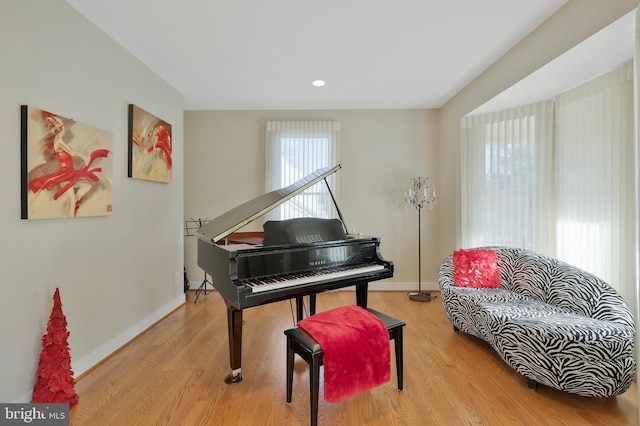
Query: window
pixel 594 176
pixel 557 177
pixel 294 150
pixel 505 179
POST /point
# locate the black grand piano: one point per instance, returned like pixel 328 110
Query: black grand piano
pixel 290 259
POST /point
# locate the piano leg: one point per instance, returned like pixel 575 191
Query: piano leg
pixel 312 304
pixel 300 306
pixel 234 322
pixel 361 300
pixel 361 294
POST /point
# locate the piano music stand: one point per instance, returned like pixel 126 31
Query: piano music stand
pixel 193 225
pixel 203 287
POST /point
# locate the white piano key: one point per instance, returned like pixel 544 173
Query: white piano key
pixel 267 285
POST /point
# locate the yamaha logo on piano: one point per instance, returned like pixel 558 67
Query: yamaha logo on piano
pixel 317 262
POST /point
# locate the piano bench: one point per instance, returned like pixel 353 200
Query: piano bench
pixel 301 343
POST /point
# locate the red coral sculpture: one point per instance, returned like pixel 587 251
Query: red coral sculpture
pixel 54 378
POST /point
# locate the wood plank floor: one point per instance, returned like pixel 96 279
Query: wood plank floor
pixel 173 375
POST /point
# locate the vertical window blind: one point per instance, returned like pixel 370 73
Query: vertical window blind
pixel 594 175
pixel 506 177
pixel 557 177
pixel 295 149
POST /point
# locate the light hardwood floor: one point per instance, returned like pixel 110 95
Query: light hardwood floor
pixel 173 375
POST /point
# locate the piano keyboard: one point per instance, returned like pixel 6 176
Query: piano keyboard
pixel 274 283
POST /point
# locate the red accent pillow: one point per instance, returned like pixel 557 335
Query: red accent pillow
pixel 476 268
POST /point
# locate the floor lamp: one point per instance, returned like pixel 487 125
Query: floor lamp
pixel 419 196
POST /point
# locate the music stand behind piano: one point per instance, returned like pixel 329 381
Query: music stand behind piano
pixel 194 225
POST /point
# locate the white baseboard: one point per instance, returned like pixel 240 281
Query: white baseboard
pixel 86 362
pixel 194 285
pixel 378 285
pixel 403 286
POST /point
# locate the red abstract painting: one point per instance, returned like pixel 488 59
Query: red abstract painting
pixel 67 167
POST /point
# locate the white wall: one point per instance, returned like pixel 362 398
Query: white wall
pixel 116 273
pixel 379 151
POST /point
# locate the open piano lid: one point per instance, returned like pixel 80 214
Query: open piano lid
pixel 243 214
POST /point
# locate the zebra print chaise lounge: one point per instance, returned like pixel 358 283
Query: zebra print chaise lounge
pixel 553 323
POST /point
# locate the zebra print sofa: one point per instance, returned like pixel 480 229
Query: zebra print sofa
pixel 551 322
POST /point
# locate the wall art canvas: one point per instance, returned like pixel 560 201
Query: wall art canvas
pixel 149 146
pixel 67 167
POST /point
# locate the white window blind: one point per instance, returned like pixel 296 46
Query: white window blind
pixel 594 175
pixel 295 149
pixel 505 159
pixel 565 192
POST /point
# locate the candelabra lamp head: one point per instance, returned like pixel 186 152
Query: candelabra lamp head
pixel 420 193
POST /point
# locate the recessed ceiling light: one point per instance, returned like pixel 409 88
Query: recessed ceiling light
pixel 318 83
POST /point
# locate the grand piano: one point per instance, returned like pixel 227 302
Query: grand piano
pixel 289 260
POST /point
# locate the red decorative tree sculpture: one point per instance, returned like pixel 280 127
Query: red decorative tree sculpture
pixel 54 378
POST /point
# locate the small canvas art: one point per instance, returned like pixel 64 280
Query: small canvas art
pixel 67 167
pixel 149 146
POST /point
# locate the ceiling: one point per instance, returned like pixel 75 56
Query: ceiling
pixel 607 49
pixel 243 54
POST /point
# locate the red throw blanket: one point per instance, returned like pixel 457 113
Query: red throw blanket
pixel 357 354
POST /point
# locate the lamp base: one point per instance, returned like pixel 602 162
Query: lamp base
pixel 420 297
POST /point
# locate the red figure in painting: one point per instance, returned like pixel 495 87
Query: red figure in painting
pixel 156 144
pixel 71 182
pixel 161 140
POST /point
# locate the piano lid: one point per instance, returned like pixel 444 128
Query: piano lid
pixel 243 214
